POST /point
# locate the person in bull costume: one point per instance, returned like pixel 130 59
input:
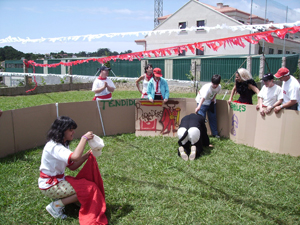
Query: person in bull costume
pixel 192 134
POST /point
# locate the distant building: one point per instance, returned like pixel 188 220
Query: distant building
pixel 195 13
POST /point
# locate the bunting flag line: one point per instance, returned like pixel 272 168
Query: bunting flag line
pixel 253 38
pixel 253 28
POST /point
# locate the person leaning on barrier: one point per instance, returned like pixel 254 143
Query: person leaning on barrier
pixel 269 96
pixel 158 88
pixel 103 86
pixel 146 78
pixel 206 102
pixel 245 86
pixel 290 90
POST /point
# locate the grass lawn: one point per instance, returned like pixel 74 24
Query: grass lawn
pixel 147 183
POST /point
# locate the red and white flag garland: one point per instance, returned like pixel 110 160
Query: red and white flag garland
pixel 213 44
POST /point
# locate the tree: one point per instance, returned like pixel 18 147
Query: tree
pixel 9 53
pixel 126 52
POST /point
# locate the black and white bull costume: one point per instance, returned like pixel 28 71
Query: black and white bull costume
pixel 192 134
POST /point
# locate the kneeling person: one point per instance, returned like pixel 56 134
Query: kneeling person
pixel 192 134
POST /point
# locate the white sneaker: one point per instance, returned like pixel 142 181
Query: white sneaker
pixel 183 155
pixel 193 153
pixel 56 212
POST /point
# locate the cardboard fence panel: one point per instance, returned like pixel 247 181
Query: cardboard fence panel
pixel 222 115
pixel 7 142
pixel 31 126
pixel 118 116
pixel 290 133
pixel 278 133
pixel 158 118
pixel 222 118
pixel 85 114
pixel 242 123
pixel 268 131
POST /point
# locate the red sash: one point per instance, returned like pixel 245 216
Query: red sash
pixel 52 179
pixel 103 97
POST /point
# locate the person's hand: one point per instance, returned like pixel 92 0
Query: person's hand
pixel 165 100
pixel 197 109
pixel 269 109
pixel 277 109
pixel 89 135
pixel 229 101
pixel 257 107
pixel 87 154
pixel 262 112
pixel 151 100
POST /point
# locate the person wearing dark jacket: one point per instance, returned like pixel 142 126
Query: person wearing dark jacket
pixel 192 134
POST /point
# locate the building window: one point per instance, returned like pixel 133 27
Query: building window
pixel 200 23
pixel 280 51
pixel 199 52
pixel 271 50
pixel 287 52
pixel 182 54
pixel 182 25
pixel 294 53
pixel 241 21
pixel 261 50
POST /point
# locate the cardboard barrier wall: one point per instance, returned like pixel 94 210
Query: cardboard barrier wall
pixel 26 128
pixel 7 142
pixel 31 125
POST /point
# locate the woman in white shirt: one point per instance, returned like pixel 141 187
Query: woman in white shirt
pixel 146 78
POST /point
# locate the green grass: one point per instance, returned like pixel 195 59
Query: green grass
pixel 147 183
pixel 24 101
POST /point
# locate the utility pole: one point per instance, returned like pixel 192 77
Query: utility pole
pixel 158 11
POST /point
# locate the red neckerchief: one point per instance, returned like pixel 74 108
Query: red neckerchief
pixel 101 78
pixel 157 81
pixel 149 77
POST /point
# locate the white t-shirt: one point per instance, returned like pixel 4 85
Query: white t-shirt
pixel 55 159
pixel 145 85
pixel 270 95
pixel 207 92
pixel 100 83
pixel 291 91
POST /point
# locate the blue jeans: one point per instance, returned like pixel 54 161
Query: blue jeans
pixel 212 117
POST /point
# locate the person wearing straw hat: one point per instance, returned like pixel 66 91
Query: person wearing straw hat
pixel 158 88
pixel 290 90
pixel 103 86
pixel 269 96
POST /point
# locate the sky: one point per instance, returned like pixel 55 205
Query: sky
pixel 35 19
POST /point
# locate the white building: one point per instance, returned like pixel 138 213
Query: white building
pixel 195 13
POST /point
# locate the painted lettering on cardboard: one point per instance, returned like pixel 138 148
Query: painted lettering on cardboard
pixel 234 124
pixel 118 103
pixel 238 107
